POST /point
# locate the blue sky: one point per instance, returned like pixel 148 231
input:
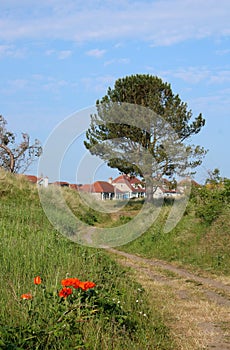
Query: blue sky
pixel 57 58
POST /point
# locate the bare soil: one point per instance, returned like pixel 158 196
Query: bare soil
pixel 195 305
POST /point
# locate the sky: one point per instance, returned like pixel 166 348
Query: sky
pixel 58 57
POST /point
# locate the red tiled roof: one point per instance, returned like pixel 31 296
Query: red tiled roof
pixel 121 178
pixel 32 178
pixel 98 187
pixel 125 180
pixel 73 186
pixel 103 186
pixel 85 188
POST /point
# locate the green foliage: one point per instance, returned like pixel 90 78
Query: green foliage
pixel 214 177
pixel 157 96
pixel 200 239
pixel 105 317
pixel 211 201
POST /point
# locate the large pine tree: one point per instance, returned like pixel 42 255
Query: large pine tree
pixel 142 117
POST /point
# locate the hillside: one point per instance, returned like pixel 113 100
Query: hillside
pixel 194 242
pixel 169 291
pixel 32 316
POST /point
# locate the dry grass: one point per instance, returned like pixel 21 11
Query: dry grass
pixel 197 318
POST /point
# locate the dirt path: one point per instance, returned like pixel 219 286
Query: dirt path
pixel 196 308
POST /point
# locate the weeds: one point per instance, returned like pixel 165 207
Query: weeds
pixel 35 259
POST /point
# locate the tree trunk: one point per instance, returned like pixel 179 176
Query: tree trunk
pixel 12 160
pixel 149 189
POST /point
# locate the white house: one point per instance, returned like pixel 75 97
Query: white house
pixel 126 187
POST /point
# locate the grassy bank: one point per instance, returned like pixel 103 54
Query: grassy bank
pixel 114 314
pixel 192 242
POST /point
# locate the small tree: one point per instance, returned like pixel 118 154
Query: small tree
pixel 16 157
pixel 214 179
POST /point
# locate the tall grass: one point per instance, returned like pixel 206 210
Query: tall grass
pixel 107 316
pixel 192 241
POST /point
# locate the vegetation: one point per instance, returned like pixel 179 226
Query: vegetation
pixel 41 308
pixel 151 143
pixel 36 313
pixel 200 239
pixel 16 157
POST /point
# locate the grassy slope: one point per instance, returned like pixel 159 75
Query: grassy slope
pixel 107 318
pixel 191 242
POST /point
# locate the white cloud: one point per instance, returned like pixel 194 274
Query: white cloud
pixel 18 84
pixel 62 55
pixel 49 52
pixel 36 82
pixel 53 85
pixel 192 75
pixel 11 51
pixel 161 22
pixel 117 61
pixel 96 53
pixel 220 77
pixel 197 74
pixel 223 52
pixel 214 104
pixel 98 83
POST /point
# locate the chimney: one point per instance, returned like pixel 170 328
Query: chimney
pixel 110 180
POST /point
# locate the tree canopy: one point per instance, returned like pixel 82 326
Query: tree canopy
pixel 16 157
pixel 153 133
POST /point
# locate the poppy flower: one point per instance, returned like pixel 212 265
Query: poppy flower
pixel 37 280
pixel 65 292
pixel 70 282
pixel 86 285
pixel 26 296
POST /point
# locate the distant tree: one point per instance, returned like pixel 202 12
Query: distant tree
pixel 16 157
pixel 157 96
pixel 214 177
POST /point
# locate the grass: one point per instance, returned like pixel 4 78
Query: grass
pixel 191 242
pixel 104 317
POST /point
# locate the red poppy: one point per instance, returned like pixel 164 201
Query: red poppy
pixel 73 282
pixel 27 296
pixel 37 280
pixel 86 285
pixel 65 292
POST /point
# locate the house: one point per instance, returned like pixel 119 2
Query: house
pixel 43 181
pixel 40 181
pixel 31 178
pixel 158 192
pixel 171 193
pixel 100 190
pixel 61 183
pixel 74 187
pixel 126 187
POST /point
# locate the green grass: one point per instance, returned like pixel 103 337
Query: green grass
pixel 105 317
pixel 191 242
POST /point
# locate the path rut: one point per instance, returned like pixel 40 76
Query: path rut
pixel 196 308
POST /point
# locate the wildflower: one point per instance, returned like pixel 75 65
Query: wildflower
pixel 86 285
pixel 26 296
pixel 70 282
pixel 65 292
pixel 37 280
